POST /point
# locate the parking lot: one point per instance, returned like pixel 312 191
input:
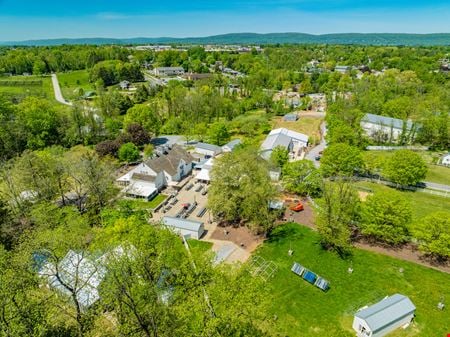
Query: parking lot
pixel 189 203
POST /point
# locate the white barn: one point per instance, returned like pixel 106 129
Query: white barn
pixel 188 228
pixel 383 317
pixel 288 139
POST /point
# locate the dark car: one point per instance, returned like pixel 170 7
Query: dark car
pixel 317 158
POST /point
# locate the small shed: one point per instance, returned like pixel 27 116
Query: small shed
pixel 383 317
pixel 290 117
pixel 188 228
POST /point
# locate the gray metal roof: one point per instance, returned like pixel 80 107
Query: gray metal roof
pixel 169 68
pixel 210 147
pixel 386 311
pixel 272 141
pixel 386 121
pixel 190 225
pixel 233 143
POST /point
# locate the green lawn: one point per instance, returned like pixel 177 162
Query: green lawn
pixel 422 203
pixel 438 174
pixel 304 310
pixel 146 205
pixel 70 82
pixel 199 246
pixel 19 87
pixel 307 125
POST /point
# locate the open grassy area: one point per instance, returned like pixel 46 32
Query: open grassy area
pixel 308 125
pixel 422 203
pixel 438 174
pixel 147 205
pixel 19 87
pixel 199 246
pixel 70 82
pixel 304 310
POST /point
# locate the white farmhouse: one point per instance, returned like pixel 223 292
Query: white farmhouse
pixel 151 176
pixel 383 317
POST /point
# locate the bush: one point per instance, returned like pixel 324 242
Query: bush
pixel 129 153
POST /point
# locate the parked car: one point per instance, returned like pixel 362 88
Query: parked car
pixel 198 188
pixel 204 191
pixel 317 158
pixel 189 187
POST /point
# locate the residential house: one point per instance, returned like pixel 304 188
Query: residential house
pixel 293 142
pixel 168 71
pixel 187 228
pixel 124 85
pixel 208 150
pixel 445 160
pixel 230 146
pixel 147 179
pixel 387 129
pixel 384 317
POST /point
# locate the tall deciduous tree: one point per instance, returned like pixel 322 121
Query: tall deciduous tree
pixel 386 217
pixel 405 168
pixel 302 177
pixel 241 189
pixel 341 160
pixel 433 234
pixel 337 212
pixel 279 156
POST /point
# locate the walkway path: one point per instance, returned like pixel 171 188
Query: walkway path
pixel 57 90
pixel 315 151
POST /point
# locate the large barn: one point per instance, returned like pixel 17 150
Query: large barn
pixel 383 317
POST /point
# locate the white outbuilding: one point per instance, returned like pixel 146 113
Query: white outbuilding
pixel 188 228
pixel 383 317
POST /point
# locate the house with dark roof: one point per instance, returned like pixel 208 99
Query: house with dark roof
pixel 147 179
pixel 383 317
pixel 387 129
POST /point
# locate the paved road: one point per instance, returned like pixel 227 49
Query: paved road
pixel 57 89
pixel 435 186
pixel 315 150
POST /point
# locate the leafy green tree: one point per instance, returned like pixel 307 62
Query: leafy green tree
pixel 433 234
pixel 341 160
pixel 279 156
pixel 128 153
pixel 39 67
pixel 144 115
pixel 218 134
pixel 241 189
pixel 337 213
pixel 149 150
pixel 386 217
pixel 303 178
pixel 405 168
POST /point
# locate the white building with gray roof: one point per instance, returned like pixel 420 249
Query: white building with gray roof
pixel 284 138
pixel 383 317
pixel 209 150
pixel 188 228
pixel 384 128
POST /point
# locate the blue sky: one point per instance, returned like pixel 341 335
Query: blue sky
pixel 35 19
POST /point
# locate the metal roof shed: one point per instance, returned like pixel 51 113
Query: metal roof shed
pixel 187 228
pixel 383 317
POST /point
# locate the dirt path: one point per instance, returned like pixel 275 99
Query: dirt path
pixel 57 90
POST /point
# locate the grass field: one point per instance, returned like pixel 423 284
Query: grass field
pixel 19 87
pixel 308 125
pixel 70 82
pixel 436 174
pixel 142 204
pixel 304 310
pixel 199 246
pixel 422 203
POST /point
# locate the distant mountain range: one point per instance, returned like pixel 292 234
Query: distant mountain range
pixel 378 39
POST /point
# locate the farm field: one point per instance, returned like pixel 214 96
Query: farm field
pixel 438 174
pixel 422 203
pixel 20 87
pixel 308 125
pixel 70 82
pixel 304 310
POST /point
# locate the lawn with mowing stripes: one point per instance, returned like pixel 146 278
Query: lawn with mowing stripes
pixel 301 309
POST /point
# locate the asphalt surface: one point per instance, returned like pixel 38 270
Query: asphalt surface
pixel 314 152
pixel 57 90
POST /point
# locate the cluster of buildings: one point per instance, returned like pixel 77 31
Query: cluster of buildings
pixel 294 142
